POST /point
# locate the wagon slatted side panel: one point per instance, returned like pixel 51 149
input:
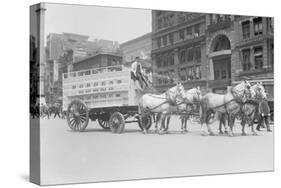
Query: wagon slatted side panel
pixel 101 91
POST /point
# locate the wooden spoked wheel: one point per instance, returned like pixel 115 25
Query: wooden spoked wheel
pixel 117 122
pixel 78 115
pixel 104 124
pixel 145 121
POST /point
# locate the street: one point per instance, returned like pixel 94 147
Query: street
pixel 99 155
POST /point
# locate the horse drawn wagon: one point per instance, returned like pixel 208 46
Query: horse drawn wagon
pixel 105 94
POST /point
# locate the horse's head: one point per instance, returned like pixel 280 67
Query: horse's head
pixel 195 93
pixel 243 90
pixel 180 90
pixel 259 90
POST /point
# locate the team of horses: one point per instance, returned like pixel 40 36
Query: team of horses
pixel 241 101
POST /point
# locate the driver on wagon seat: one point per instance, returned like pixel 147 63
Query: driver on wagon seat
pixel 137 72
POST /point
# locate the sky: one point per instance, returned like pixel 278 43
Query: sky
pixel 117 24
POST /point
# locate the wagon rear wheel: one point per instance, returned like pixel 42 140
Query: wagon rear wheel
pixel 78 115
pixel 145 121
pixel 104 124
pixel 117 122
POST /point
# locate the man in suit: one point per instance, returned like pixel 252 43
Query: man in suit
pixel 263 115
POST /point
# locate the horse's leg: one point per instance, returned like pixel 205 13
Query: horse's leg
pixel 231 124
pixel 211 133
pixel 168 122
pixel 185 122
pixel 221 117
pixel 161 121
pixel 243 123
pixel 251 123
pixel 267 123
pixel 182 123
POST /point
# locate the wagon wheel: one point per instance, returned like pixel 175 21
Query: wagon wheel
pixel 117 122
pixel 78 115
pixel 145 121
pixel 104 124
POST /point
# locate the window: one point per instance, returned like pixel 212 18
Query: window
pixel 190 54
pixel 74 87
pixel 258 26
pixel 119 81
pixel 197 30
pixel 103 83
pixel 198 73
pixel 80 73
pixel 189 32
pixel 182 56
pixel 165 40
pixel 171 59
pixel 88 85
pixel 258 58
pixel 181 34
pixel 64 76
pixel 165 60
pixel 197 54
pixel 222 43
pixel 270 25
pixel 72 74
pixel 159 61
pixel 81 86
pixel 171 38
pixel 272 55
pixel 183 74
pixel 159 42
pixel 246 63
pixel 110 82
pixel 96 84
pixel 87 72
pixel 246 29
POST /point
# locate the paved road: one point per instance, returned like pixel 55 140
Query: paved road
pixel 98 155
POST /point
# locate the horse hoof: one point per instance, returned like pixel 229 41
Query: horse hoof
pixel 212 134
pixel 230 134
pixel 269 130
pixel 244 134
pixel 255 134
pixel 221 132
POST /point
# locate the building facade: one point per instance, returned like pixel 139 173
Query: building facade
pixel 58 44
pixel 212 50
pixel 178 49
pixel 97 61
pixel 138 47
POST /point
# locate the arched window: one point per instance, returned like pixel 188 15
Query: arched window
pixel 221 43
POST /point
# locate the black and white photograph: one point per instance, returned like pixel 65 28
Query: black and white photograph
pixel 129 93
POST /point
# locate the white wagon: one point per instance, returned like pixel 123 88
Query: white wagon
pixel 104 94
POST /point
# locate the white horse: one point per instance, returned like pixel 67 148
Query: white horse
pixel 229 103
pixel 250 107
pixel 151 103
pixel 185 107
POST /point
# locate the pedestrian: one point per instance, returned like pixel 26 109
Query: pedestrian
pixel 263 115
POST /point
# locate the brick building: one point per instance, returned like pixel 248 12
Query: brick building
pixel 212 50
